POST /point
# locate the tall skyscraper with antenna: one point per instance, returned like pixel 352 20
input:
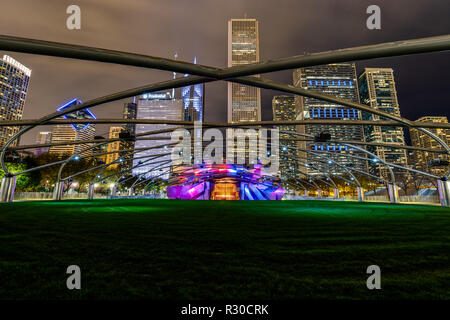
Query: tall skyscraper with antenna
pixel 174 76
pixel 193 98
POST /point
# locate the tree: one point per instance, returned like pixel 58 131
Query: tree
pixel 23 180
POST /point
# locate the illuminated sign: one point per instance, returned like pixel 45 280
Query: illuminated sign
pixel 156 96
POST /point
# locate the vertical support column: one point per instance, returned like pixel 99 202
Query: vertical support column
pixel 7 189
pixel 444 192
pixel 360 191
pixel 131 191
pixel 113 190
pixel 319 193
pixel 336 193
pixel 393 193
pixel 58 190
pixel 91 191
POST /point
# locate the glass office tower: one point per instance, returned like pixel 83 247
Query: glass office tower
pixel 73 132
pixel 285 108
pixel 338 80
pixel 421 159
pixel 193 100
pixel 244 102
pixel 377 90
pixel 14 81
pixel 126 146
pixel 43 137
pixel 155 106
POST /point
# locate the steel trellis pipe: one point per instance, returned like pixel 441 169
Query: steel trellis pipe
pixel 80 52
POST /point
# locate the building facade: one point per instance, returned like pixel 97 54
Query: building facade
pixel 338 80
pixel 99 150
pixel 129 113
pixel 126 146
pixel 193 100
pixel 155 106
pixel 244 102
pixel 285 108
pixel 421 159
pixel 73 132
pixel 114 133
pixel 43 137
pixel 377 90
pixel 14 82
pixel 63 133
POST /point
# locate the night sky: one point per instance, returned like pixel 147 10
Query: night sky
pixel 199 28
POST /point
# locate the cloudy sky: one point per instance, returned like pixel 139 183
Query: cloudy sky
pixel 199 28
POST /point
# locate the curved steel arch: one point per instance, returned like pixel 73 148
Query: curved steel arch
pixel 234 74
pixel 387 164
pixel 100 143
pixel 404 47
pixel 381 123
pixel 87 53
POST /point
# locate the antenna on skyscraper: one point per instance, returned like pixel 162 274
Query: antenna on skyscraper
pixel 174 75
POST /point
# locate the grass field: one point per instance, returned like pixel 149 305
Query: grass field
pixel 168 249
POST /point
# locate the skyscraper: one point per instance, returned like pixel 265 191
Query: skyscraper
pixel 42 137
pixel 244 102
pixel 193 97
pixel 130 112
pixel 421 159
pixel 14 81
pixel 128 129
pixel 113 146
pixel 285 108
pixel 155 106
pixel 99 150
pixel 73 132
pixel 377 90
pixel 338 80
pixel 63 133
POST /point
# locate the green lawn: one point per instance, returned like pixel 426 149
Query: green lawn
pixel 168 249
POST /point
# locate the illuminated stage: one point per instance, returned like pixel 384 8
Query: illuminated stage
pixel 224 182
